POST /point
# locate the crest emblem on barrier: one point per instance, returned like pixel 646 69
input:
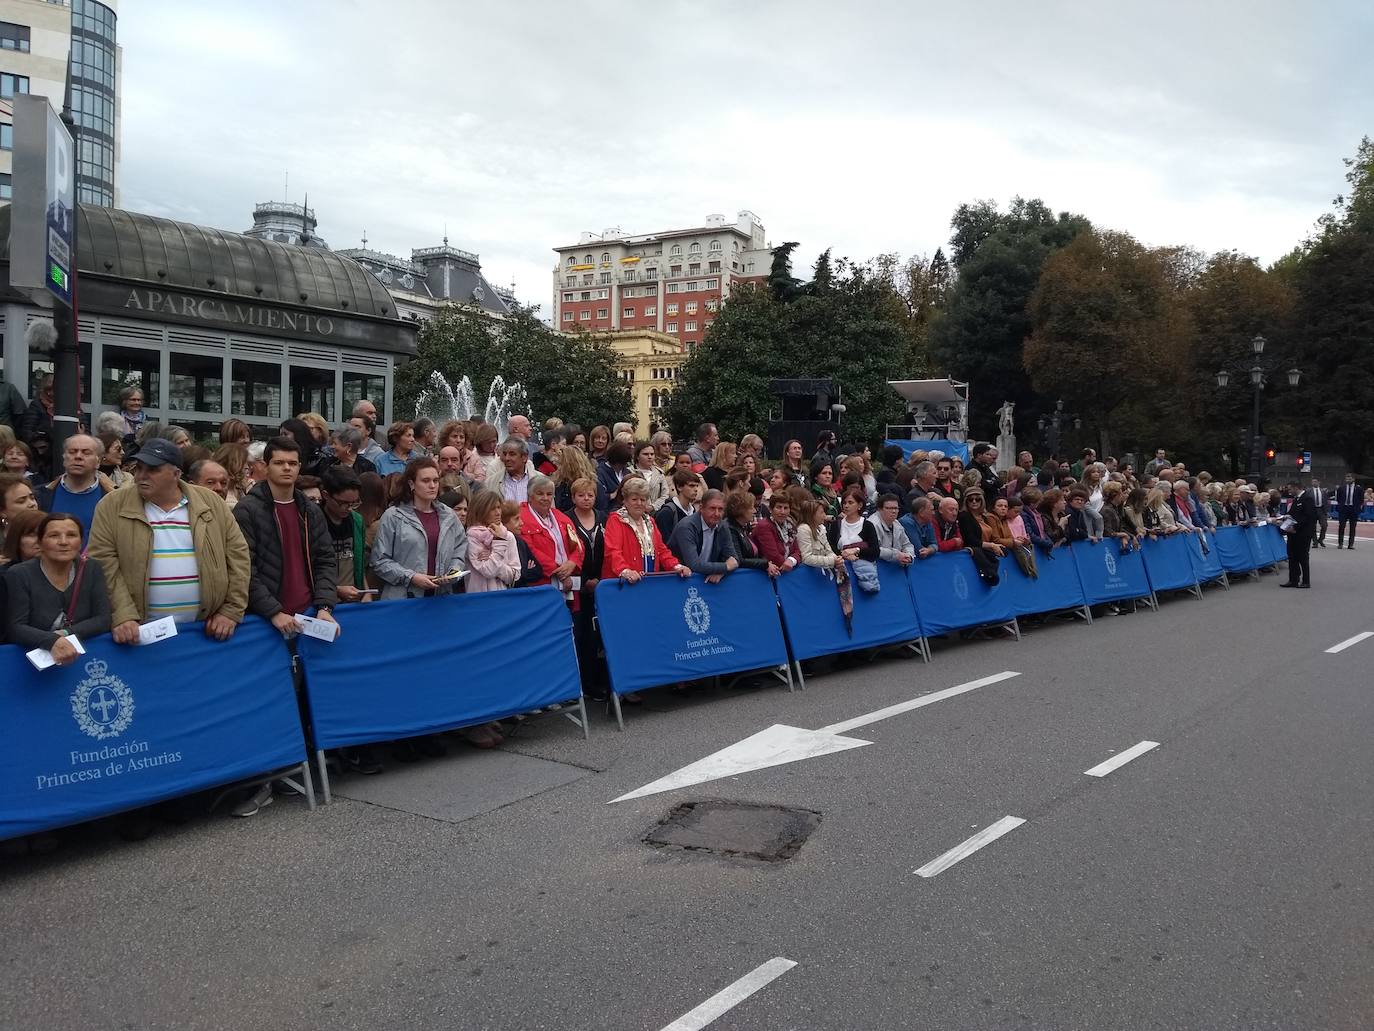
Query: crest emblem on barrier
pixel 1110 560
pixel 960 585
pixel 696 612
pixel 102 704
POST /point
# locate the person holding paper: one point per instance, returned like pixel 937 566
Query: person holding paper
pixel 420 539
pixel 169 548
pixel 58 595
pixel 288 538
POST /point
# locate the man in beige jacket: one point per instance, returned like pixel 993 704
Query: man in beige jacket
pixel 169 548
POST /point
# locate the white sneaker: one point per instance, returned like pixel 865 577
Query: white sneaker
pixel 250 806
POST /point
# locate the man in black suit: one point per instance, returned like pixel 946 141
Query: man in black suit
pixel 702 541
pixel 1349 498
pixel 1322 500
pixel 1303 512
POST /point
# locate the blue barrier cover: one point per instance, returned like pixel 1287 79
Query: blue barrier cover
pixel 1168 561
pixel 1206 567
pixel 665 629
pixel 123 727
pixel 1278 547
pixel 1267 544
pixel 1057 586
pixel 951 448
pixel 950 596
pixel 421 665
pixel 1109 574
pixel 1234 548
pixel 815 624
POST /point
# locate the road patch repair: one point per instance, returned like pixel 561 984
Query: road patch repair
pixel 736 830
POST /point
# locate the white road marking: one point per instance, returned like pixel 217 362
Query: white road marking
pixel 986 836
pixel 1121 759
pixel 728 998
pixel 781 744
pixel 776 746
pixel 915 703
pixel 1350 642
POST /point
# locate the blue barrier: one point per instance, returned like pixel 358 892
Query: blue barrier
pixel 950 596
pixel 124 727
pixel 1266 544
pixel 665 629
pixel 815 623
pixel 1056 587
pixel 1109 574
pixel 418 666
pixel 1206 565
pixel 1234 548
pixel 1169 563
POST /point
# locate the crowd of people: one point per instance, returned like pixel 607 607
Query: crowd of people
pixel 139 522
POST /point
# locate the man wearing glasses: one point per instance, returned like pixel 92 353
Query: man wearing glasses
pixel 340 497
pixel 945 486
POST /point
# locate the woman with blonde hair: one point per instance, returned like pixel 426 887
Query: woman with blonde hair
pixel 235 431
pixel 234 459
pixel 319 429
pixel 722 461
pixel 574 465
pixel 493 557
pixel 1158 516
pixel 646 464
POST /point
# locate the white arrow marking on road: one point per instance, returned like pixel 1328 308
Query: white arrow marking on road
pixel 986 836
pixel 916 703
pixel 730 997
pixel 1350 642
pixel 781 744
pixel 776 746
pixel 1121 759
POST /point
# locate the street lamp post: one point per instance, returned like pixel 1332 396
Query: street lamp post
pixel 1050 426
pixel 1258 373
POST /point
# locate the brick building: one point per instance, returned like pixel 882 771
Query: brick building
pixel 670 282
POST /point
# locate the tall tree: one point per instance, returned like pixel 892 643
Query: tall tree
pixel 979 336
pixel 784 286
pixel 1334 322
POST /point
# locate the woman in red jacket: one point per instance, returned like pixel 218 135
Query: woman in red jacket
pixel 633 544
pixel 552 538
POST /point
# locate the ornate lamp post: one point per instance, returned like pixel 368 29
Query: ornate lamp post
pixel 1050 426
pixel 1258 373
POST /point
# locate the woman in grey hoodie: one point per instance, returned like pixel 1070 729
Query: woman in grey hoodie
pixel 419 540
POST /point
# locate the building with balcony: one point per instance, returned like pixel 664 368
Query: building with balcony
pixel 40 40
pixel 671 282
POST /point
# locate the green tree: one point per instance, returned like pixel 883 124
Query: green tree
pixel 1110 335
pixel 571 376
pixel 979 335
pixel 855 332
pixel 1334 322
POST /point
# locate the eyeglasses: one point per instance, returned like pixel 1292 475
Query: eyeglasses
pixel 352 506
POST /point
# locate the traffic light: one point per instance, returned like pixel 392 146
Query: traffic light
pixel 1269 454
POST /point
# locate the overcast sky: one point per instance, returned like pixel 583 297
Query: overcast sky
pixel 860 126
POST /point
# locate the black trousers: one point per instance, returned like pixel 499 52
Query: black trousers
pixel 1299 551
pixel 1321 525
pixel 1350 518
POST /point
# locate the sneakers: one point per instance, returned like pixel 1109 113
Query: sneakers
pixel 258 800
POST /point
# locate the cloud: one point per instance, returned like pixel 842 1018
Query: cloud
pixel 519 125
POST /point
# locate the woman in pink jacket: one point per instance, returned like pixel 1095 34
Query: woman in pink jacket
pixel 493 558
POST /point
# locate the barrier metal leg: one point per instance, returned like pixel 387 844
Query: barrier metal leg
pixel 1225 581
pixel 1087 615
pixel 324 776
pixel 801 677
pixel 615 707
pixel 786 668
pixel 1016 628
pixel 581 716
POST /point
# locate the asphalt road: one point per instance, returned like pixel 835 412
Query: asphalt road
pixel 1221 880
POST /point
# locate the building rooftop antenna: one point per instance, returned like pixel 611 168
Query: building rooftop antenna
pixel 364 238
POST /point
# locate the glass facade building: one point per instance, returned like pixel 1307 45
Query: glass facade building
pixel 94 75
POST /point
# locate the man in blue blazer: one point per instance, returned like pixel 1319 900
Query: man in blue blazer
pixel 702 542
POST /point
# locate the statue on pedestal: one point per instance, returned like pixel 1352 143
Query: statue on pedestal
pixel 1006 437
